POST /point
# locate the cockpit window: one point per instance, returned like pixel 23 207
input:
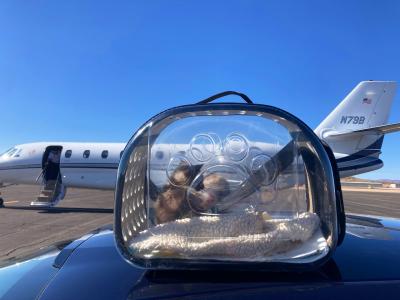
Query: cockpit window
pixel 11 152
pixel 86 154
pixel 120 154
pixel 6 152
pixel 104 154
pixel 68 153
pixel 17 154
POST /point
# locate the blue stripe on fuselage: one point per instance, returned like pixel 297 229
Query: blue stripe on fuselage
pixel 374 148
pixel 360 166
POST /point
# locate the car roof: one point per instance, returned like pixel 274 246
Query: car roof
pixel 92 268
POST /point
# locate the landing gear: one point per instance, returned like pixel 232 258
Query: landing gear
pixel 1 202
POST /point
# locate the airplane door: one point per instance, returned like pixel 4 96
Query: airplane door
pixel 51 163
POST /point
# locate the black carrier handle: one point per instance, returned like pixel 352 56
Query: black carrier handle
pixel 223 94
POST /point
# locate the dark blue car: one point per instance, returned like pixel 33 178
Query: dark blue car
pixel 366 266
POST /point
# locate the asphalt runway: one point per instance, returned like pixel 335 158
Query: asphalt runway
pixel 25 230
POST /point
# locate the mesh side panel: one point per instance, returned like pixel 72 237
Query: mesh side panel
pixel 134 210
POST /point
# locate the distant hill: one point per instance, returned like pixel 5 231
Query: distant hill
pixel 390 181
pixel 355 179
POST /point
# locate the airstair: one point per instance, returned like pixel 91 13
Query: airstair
pixel 50 194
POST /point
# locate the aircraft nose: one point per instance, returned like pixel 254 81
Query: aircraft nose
pixel 4 163
pixel 1 170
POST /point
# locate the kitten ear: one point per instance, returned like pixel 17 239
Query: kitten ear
pixel 200 186
pixel 194 170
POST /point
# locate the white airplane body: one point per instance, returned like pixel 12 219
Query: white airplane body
pixel 354 130
pixel 26 162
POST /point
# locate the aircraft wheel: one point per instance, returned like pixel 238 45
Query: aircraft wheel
pixel 1 202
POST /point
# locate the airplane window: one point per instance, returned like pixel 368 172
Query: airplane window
pixel 86 154
pixel 68 153
pixel 104 154
pixel 159 155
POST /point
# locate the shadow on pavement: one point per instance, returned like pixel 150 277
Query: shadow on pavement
pixel 62 209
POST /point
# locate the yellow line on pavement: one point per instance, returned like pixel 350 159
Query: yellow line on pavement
pixel 9 202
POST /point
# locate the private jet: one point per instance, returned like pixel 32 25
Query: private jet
pixel 354 130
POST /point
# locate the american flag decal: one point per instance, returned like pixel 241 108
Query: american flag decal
pixel 367 101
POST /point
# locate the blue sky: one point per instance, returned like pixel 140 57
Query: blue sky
pixel 96 70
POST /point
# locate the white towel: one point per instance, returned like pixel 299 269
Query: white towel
pixel 245 235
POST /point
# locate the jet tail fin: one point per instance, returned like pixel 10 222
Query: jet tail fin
pixel 356 127
pixel 367 106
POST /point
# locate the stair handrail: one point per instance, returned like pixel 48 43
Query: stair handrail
pixel 55 187
pixel 40 175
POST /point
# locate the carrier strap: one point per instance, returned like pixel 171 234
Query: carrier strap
pixel 223 94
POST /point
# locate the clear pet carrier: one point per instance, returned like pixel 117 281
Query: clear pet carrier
pixel 231 185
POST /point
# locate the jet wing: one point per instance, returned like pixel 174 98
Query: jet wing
pixel 383 129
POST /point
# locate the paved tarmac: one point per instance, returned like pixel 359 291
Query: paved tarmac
pixel 24 230
pixel 372 202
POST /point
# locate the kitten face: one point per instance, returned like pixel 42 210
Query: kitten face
pixel 172 204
